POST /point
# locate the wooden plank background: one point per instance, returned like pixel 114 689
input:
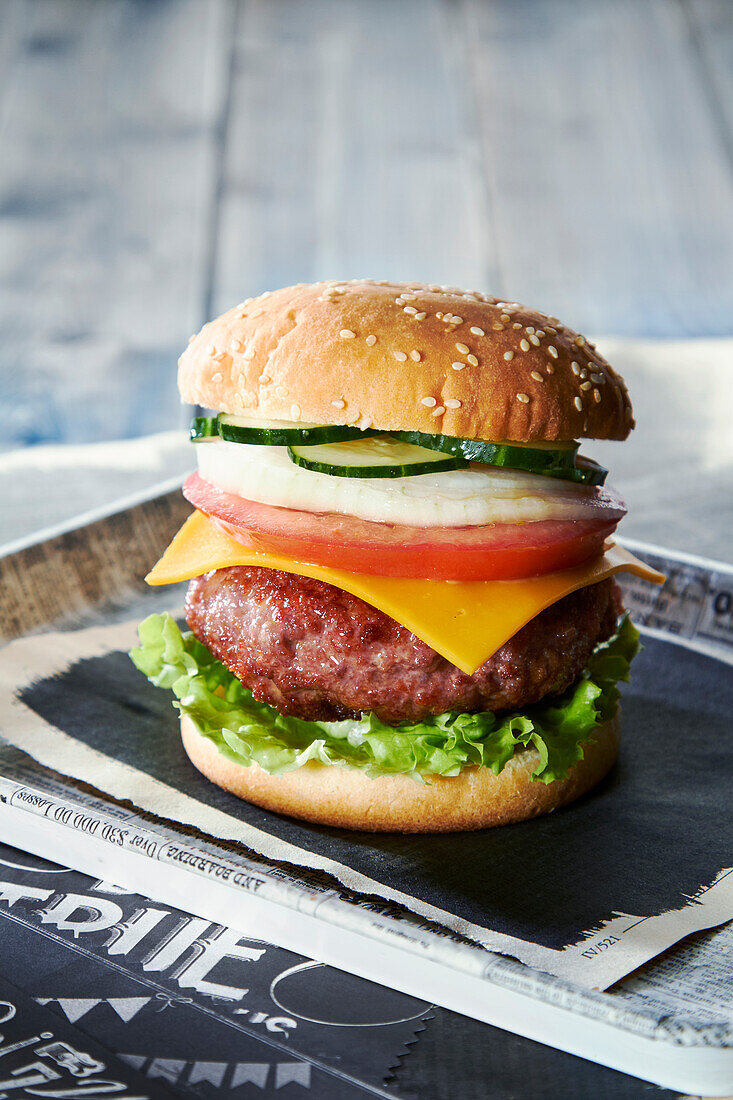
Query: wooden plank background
pixel 161 159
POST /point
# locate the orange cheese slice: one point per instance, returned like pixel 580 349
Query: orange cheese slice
pixel 465 621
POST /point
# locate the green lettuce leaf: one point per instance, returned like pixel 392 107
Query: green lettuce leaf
pixel 247 731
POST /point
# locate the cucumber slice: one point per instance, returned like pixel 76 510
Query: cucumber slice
pixel 585 472
pixel 383 456
pixel 281 433
pixel 535 457
pixel 552 459
pixel 203 428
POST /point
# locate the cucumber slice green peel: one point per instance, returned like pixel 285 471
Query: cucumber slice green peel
pixel 553 459
pixel 585 472
pixel 384 456
pixel 272 433
pixel 204 428
pixel 283 433
pixel 520 456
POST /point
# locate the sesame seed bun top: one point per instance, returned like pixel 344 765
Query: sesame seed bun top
pixel 405 356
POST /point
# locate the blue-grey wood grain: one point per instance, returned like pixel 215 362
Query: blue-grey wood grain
pixel 109 115
pixel 160 160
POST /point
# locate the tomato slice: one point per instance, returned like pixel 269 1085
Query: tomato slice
pixel 498 551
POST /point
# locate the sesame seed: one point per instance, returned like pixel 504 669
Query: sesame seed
pixel 439 411
pixel 339 404
pixel 452 403
pixel 497 327
pixel 551 350
pixel 409 296
pixel 539 332
pixel 458 366
pixel 529 329
pixel 236 345
pixel 420 316
pixel 439 316
pixel 476 331
pixel 280 391
pixel 216 377
pixel 598 379
pixel 211 349
pixel 508 355
pixel 523 397
pixel 580 341
pixel 578 404
pixel 549 328
pixel 505 317
pixel 596 396
pixel 524 345
pixel 585 386
pixel 456 320
pixel 516 325
pixel 400 356
pixel 472 360
pixel 534 340
pixel 295 411
pixel 537 376
pixel 575 368
pixel 430 402
pixel 220 356
pixel 264 378
pixel 550 369
pixel 371 341
pixel 249 354
pixel 409 309
pixel 347 334
pixel 583 374
pixel 415 354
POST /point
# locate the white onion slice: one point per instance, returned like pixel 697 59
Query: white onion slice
pixel 454 498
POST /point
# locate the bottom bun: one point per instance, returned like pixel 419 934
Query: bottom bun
pixel 349 799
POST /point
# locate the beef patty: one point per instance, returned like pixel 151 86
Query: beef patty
pixel 317 652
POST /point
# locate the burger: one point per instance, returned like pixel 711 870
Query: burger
pixel 401 605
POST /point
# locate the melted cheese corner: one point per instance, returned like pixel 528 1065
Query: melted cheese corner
pixel 465 621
